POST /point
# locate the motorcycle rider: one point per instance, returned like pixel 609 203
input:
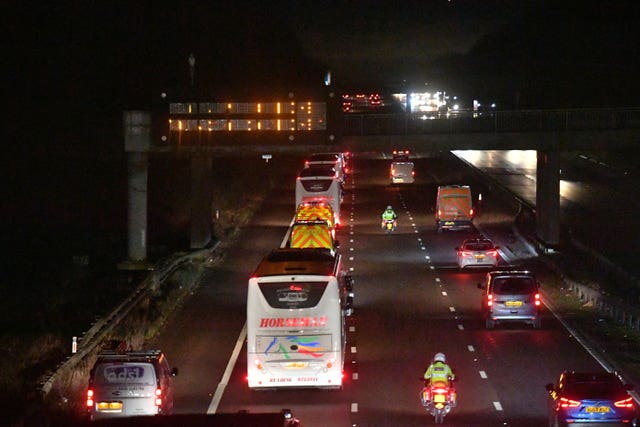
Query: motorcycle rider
pixel 388 215
pixel 439 372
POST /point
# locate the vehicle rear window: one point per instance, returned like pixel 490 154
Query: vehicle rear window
pixel 595 389
pixel 483 246
pixel 317 185
pixel 124 373
pixel 513 285
pixel 293 295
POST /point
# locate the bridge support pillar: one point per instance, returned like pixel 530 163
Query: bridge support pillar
pixel 201 197
pixel 137 141
pixel 548 197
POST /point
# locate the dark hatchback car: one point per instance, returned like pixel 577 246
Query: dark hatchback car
pixel 594 399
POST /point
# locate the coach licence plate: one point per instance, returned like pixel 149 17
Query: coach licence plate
pixel 439 398
pixel 295 365
pixel 513 303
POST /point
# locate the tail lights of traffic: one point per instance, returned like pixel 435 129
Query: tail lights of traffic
pixel 537 301
pixel 624 403
pixel 90 398
pixel 158 396
pixel 569 403
pixel 489 300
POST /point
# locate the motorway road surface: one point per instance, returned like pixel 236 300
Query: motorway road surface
pixel 410 303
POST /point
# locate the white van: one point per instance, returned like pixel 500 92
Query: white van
pixel 131 383
pixel 402 173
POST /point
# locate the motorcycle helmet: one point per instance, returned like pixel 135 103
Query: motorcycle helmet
pixel 439 357
pixel 389 208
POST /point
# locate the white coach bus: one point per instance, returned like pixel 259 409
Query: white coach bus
pixel 320 184
pixel 296 306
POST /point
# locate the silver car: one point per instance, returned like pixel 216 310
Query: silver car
pixel 511 296
pixel 132 383
pixel 479 252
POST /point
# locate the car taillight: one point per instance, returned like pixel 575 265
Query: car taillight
pixel 466 253
pixel 89 398
pixel 490 300
pixel 413 173
pixel 537 300
pixel 158 397
pixel 440 390
pixel 393 171
pixel 624 403
pixel 470 212
pixel 492 253
pixel 569 403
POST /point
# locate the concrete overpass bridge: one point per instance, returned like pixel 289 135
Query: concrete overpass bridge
pixel 547 132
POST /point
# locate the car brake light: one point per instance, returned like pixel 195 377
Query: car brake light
pixel 490 300
pixel 89 398
pixel 624 403
pixel 492 253
pixel 158 397
pixel 466 253
pixel 569 403
pixel 470 212
pixel 440 390
pixel 537 300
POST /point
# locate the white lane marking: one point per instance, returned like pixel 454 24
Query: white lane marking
pixel 416 231
pixel 213 406
pixel 354 376
pixel 419 239
pixel 353 349
pixel 444 293
pixel 352 328
pixel 470 348
pixel 431 267
pixel 437 279
pixel 461 327
pixel 351 268
pixel 498 406
pixel 350 258
pixel 452 309
pixel 350 240
pixel 423 248
pixel 354 407
pixel 427 257
pixel 483 375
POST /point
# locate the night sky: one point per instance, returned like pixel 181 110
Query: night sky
pixel 89 60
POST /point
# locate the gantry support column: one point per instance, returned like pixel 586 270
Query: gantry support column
pixel 548 197
pixel 201 197
pixel 137 141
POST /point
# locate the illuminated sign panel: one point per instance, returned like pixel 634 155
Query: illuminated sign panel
pixel 248 116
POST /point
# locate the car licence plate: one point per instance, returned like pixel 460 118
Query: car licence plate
pixel 479 257
pixel 596 409
pixel 449 223
pixel 513 303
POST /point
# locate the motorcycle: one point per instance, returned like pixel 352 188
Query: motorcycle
pixel 438 399
pixel 389 225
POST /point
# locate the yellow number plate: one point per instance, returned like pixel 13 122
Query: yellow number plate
pixel 598 409
pixel 109 406
pixel 439 398
pixel 295 365
pixel 513 303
